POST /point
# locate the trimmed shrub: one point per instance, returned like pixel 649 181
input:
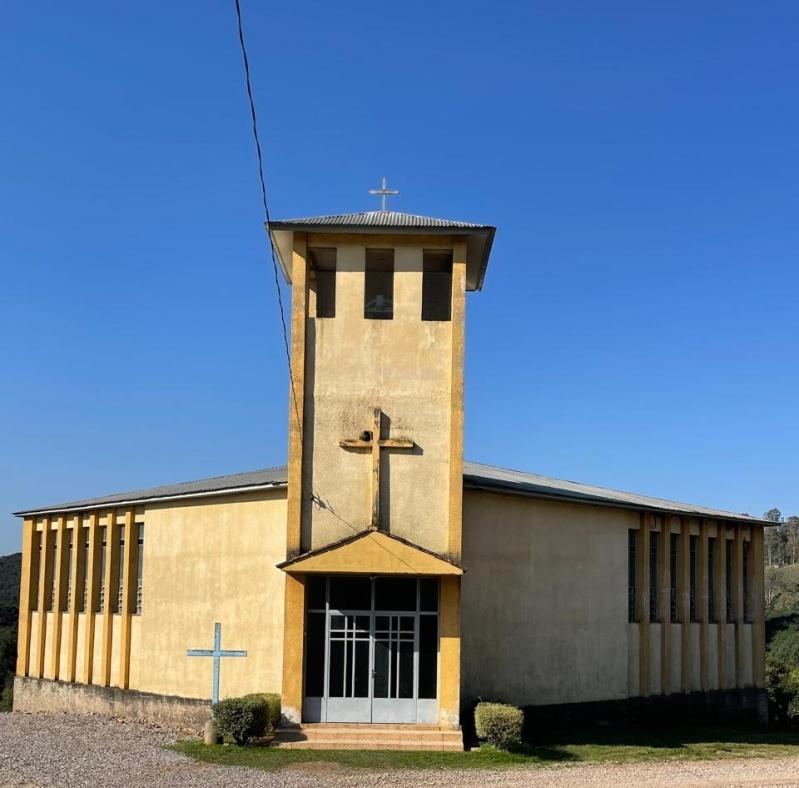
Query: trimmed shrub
pixel 242 718
pixel 499 724
pixel 273 708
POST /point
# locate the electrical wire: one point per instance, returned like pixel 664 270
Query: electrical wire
pixel 262 180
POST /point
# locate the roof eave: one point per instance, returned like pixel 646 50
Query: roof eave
pixel 509 488
pixel 282 239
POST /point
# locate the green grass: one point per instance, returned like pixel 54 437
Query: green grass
pixel 604 745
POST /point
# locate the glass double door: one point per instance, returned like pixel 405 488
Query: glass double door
pixel 372 666
pixel 378 664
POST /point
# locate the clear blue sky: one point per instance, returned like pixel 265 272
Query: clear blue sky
pixel 638 327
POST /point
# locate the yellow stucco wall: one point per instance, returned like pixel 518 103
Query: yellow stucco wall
pixel 544 604
pixel 211 560
pixel 403 366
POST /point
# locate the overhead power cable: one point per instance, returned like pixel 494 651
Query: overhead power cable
pixel 262 180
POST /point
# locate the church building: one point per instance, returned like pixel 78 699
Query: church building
pixel 377 578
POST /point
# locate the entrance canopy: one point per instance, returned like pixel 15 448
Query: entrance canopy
pixel 371 552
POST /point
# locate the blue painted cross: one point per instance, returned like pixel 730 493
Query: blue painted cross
pixel 217 653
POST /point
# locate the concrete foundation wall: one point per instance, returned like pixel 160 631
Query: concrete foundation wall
pixel 43 695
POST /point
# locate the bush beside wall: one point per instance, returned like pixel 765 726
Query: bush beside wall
pixel 499 724
pixel 243 719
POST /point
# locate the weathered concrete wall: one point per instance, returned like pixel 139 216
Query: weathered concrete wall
pixel 544 605
pixel 44 695
pixel 205 561
pixel 403 366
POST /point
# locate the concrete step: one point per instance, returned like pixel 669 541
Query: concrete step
pixel 345 744
pixel 336 736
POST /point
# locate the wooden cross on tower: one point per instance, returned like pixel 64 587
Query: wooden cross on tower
pixel 372 440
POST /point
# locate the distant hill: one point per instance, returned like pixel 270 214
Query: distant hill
pixel 9 588
pixel 9 603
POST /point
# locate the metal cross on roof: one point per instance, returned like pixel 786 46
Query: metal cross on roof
pixel 383 191
pixel 217 653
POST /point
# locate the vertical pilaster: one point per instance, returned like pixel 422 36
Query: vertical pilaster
pixel 76 583
pixel 738 602
pixel 642 605
pixel 128 595
pixel 757 590
pixel 684 596
pixel 720 594
pixel 59 587
pixel 456 400
pixel 111 558
pixel 299 317
pixel 450 651
pixel 92 596
pixel 26 601
pixel 702 607
pixel 293 626
pixel 664 604
pixel 45 581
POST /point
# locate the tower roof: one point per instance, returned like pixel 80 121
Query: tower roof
pixel 479 237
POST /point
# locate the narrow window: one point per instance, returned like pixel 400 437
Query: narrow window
pixel 87 570
pixel 711 565
pixel 36 562
pixel 323 280
pixel 653 576
pixel 139 566
pixel 632 539
pixel 120 570
pixel 675 542
pixel 70 548
pixel 692 601
pixel 379 285
pixel 437 285
pixel 101 601
pixel 745 569
pixel 51 562
pixel 728 580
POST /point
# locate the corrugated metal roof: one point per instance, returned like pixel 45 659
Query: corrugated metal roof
pixel 377 219
pixel 475 477
pixel 488 477
pixel 266 477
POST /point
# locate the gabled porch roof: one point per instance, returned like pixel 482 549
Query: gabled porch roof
pixel 371 552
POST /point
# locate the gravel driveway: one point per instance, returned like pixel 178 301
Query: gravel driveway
pixel 77 750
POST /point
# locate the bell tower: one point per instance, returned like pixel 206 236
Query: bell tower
pixel 376 407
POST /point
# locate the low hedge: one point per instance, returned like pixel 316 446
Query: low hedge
pixel 499 724
pixel 273 707
pixel 243 719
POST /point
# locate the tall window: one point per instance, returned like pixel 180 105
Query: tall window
pixel 437 285
pixel 87 569
pixel 745 569
pixel 632 538
pixel 139 565
pixel 711 578
pixel 692 597
pixel 323 280
pixel 70 548
pixel 379 285
pixel 121 570
pixel 36 550
pixel 728 581
pixel 653 576
pixel 674 544
pixel 51 562
pixel 101 605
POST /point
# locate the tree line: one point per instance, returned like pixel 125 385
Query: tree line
pixel 781 542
